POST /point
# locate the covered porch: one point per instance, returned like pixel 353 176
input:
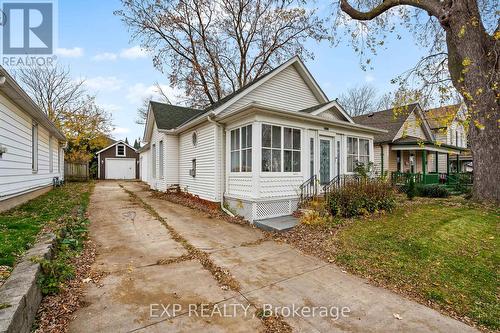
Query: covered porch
pixel 427 163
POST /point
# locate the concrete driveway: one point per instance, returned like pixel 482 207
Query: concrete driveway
pixel 155 286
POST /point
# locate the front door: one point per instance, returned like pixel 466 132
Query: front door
pixel 325 160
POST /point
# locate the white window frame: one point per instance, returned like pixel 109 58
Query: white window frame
pixel 240 150
pixel 358 154
pixel 124 150
pixel 34 147
pixel 51 155
pixel 281 149
pixel 161 167
pixel 153 160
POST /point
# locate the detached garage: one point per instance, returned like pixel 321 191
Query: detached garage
pixel 118 161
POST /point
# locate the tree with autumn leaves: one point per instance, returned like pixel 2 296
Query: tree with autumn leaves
pixel 86 125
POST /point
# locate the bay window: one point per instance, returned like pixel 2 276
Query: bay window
pixel 280 146
pixel 358 151
pixel 241 149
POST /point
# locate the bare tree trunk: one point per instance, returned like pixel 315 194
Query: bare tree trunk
pixel 473 64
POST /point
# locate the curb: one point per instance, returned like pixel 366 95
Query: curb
pixel 21 292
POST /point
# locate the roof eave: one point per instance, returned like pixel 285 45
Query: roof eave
pixel 20 97
pixel 299 115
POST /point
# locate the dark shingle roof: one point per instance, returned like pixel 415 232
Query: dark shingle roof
pixel 168 116
pixel 386 120
pixel 314 108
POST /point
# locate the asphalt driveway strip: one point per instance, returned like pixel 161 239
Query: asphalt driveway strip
pixel 155 284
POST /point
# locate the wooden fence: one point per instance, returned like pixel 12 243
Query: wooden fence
pixel 76 171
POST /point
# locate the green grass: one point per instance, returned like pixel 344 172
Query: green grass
pixel 20 226
pixel 435 250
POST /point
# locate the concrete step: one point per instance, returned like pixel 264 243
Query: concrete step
pixel 277 224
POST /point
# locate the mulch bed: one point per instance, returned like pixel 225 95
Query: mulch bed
pixel 193 201
pixel 56 311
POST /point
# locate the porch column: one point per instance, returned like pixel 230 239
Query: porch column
pixel 398 152
pixel 424 163
pixel 437 163
pixel 458 163
pixel 447 163
pixel 382 160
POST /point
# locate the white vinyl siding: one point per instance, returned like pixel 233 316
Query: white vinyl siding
pixel 411 127
pixel 16 165
pixel 286 91
pixel 205 152
pixel 145 162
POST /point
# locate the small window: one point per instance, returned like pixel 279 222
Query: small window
pixel 34 147
pixel 241 149
pixel 194 139
pixel 358 151
pixel 153 160
pixel 277 143
pixel 271 148
pixel 161 160
pixel 51 156
pixel 120 150
pixel 192 172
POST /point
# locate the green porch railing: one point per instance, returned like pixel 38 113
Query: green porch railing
pixel 465 178
pixel 402 178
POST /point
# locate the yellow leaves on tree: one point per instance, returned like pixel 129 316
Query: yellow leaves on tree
pixel 86 128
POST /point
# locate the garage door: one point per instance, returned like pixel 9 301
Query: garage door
pixel 120 168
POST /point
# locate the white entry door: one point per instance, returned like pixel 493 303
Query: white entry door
pixel 120 168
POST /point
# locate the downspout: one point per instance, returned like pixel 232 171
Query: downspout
pixel 222 168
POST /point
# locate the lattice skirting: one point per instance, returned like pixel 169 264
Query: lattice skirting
pixel 262 209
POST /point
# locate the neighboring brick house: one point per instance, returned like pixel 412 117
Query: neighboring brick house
pixel 118 161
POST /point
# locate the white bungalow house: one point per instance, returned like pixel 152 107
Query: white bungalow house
pixel 31 147
pixel 253 149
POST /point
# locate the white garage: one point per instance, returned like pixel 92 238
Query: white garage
pixel 118 161
pixel 120 168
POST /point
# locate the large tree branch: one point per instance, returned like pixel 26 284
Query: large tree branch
pixel 430 6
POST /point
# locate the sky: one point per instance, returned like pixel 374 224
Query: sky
pixel 96 45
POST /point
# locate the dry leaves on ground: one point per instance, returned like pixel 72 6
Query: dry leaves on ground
pixel 56 311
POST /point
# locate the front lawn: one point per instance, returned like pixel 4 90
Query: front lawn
pixel 445 253
pixel 20 226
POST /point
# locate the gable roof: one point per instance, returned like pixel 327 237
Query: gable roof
pixel 294 61
pixel 441 117
pixel 387 120
pixel 114 144
pixel 169 117
pixel 320 108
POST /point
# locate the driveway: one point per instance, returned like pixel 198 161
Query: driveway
pixel 155 284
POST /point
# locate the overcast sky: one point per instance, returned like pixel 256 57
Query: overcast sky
pixel 97 46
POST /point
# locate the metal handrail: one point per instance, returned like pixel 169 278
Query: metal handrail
pixel 308 189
